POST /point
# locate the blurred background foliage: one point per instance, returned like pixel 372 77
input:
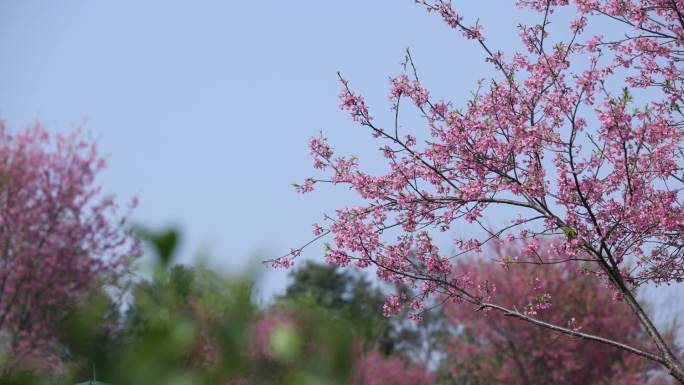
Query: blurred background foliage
pixel 190 325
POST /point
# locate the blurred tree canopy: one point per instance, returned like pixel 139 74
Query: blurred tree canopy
pixel 345 295
pixel 190 325
pixel 349 295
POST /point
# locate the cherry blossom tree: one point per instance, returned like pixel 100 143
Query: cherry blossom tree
pixel 372 368
pixel 58 239
pixel 486 349
pixel 577 135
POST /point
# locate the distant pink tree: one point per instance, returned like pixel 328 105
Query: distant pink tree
pixel 578 136
pixel 372 368
pixel 58 239
pixel 488 347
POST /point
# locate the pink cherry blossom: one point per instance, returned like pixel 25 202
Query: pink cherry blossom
pixel 578 136
pixel 491 348
pixel 59 238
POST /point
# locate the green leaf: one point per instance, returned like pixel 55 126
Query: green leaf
pixel 569 232
pixel 626 97
pixel 164 243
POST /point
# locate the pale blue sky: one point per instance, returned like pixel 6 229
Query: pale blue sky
pixel 204 108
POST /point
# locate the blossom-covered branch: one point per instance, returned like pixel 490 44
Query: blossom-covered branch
pixel 579 138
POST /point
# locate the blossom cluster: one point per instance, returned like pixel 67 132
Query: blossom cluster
pixel 575 159
pixel 493 349
pixel 58 237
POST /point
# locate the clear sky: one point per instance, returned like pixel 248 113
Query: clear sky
pixel 204 108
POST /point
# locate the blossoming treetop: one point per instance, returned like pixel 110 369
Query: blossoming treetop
pixel 581 137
